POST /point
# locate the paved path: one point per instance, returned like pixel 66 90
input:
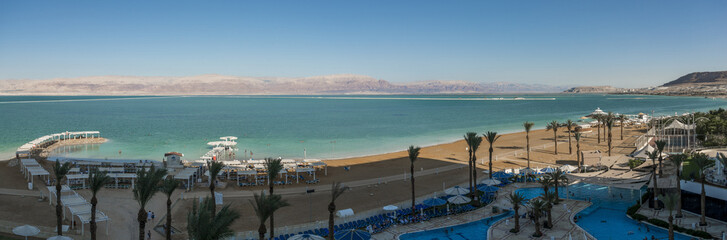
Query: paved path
pixel 714 227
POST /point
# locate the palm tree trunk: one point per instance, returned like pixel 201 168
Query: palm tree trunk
pixel 527 140
pixel 671 227
pixel 261 231
pixel 413 193
pixel 570 147
pixel 92 223
pixel 609 142
pixel 656 189
pixel 622 130
pixel 331 209
pixel 59 209
pixel 578 155
pixel 661 171
pixel 469 162
pixel 141 217
pixel 272 215
pixel 474 176
pixel 703 220
pixel 490 166
pixel 550 218
pixel 599 132
pixel 557 197
pixel 537 227
pixel 213 206
pixel 679 194
pixel 168 229
pixel 555 140
pixel 517 218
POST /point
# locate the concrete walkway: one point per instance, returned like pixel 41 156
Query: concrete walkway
pixel 690 220
pixel 562 224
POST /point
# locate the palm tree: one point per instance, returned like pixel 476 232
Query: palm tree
pixel 147 184
pixel 337 189
pixel 670 202
pixel 273 166
pixel 545 181
pixel 660 144
pixel 473 142
pixel 677 160
pixel 265 206
pixel 559 179
pixel 201 225
pixel 528 126
pixel 96 181
pixel 577 136
pixel 570 125
pixel 516 199
pixel 653 155
pixel 536 210
pixel 550 199
pixel 621 119
pixel 214 168
pixel 554 126
pixel 168 187
pixel 60 172
pixel 608 121
pixel 491 138
pixel 702 162
pixel 413 155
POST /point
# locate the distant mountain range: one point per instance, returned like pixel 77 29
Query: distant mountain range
pixel 712 84
pixel 233 85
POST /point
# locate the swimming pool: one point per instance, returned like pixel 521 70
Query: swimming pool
pixel 606 218
pixel 468 231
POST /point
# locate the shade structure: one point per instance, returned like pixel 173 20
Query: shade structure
pixel 568 168
pixel 501 175
pixel 434 202
pixel 352 234
pixel 456 190
pixel 488 188
pixel 306 237
pixel 59 238
pixel 390 208
pixel 490 182
pixel 26 231
pixel 459 199
pixel 548 170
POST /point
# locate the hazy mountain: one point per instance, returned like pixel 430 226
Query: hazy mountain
pixel 227 85
pixel 593 89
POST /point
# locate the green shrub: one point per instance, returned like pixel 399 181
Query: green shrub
pixel 639 217
pixel 633 209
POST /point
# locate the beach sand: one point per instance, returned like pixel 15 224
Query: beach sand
pixel 121 207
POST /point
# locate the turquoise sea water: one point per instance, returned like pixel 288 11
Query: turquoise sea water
pixel 326 126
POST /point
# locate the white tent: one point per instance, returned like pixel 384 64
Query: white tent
pixel 490 182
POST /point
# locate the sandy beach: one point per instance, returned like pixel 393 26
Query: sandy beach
pixel 376 180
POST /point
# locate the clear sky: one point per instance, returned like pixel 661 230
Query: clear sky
pixel 622 43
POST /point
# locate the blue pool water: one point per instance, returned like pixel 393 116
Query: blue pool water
pixel 467 231
pixel 606 218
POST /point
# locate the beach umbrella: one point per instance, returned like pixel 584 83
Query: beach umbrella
pixel 59 238
pixel 434 202
pixel 488 188
pixel 456 190
pixel 26 231
pixel 306 237
pixel 490 182
pixel 548 170
pixel 352 234
pixel 390 208
pixel 501 175
pixel 459 199
pixel 568 168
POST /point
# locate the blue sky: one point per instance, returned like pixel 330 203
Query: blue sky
pixel 621 43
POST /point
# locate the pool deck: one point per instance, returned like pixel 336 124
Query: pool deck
pixel 714 227
pixel 561 221
pixel 501 230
